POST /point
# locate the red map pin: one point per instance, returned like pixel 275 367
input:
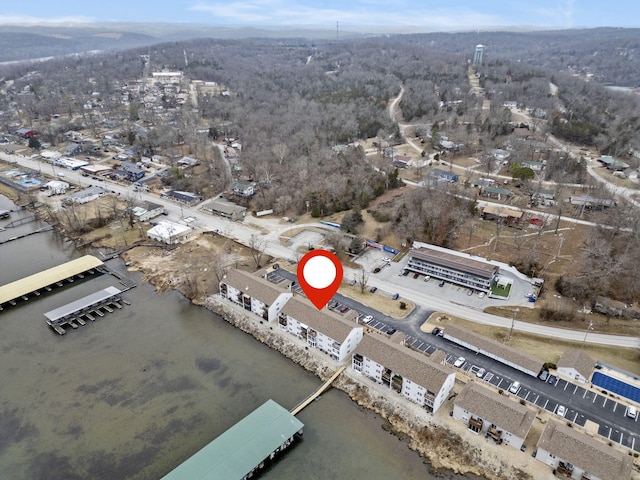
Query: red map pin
pixel 319 274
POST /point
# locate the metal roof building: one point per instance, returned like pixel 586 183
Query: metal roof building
pixel 243 448
pixel 25 286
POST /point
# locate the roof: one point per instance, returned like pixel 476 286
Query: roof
pixel 324 321
pixel 254 286
pixel 241 448
pixel 166 229
pixel 438 172
pixel 502 211
pixel 34 282
pixel 450 260
pixel 507 414
pixel 574 358
pixel 222 206
pixel 497 191
pixel 585 452
pixel 81 303
pixel 530 362
pixel 416 367
pixel 88 192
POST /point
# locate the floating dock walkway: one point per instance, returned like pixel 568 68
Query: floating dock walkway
pixel 12 292
pixel 318 392
pixel 72 313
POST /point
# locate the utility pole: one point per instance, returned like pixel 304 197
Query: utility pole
pixel 589 328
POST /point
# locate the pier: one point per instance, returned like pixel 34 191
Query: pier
pixel 318 392
pixel 47 279
pixel 72 313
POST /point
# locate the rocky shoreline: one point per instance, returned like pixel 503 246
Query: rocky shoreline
pixel 444 450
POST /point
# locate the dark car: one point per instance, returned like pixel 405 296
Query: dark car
pixel 395 296
pixel 391 331
pixel 405 273
pixel 416 275
pixel 373 289
pixel 344 309
pixel 436 331
pixel 441 284
pixel 552 379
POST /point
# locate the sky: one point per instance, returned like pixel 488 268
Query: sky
pixel 398 15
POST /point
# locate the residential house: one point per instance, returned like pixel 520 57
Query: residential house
pixel 55 187
pixel 535 166
pixel 72 149
pixel 225 209
pixel 497 193
pixel 527 363
pixel 322 329
pixel 444 175
pixel 485 411
pixel 246 190
pixel 169 232
pixel 576 365
pixel 544 197
pixel 613 163
pixel 578 455
pixel 500 154
pixel 186 162
pixel 130 171
pixel 409 373
pixel 255 294
pixel 147 210
pixel 587 201
pixel 26 132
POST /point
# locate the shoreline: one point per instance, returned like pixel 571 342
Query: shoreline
pixel 443 449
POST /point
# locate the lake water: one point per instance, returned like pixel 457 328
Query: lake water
pixel 137 392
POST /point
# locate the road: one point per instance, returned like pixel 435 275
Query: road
pixel 243 231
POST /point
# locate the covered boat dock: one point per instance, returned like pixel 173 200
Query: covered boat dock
pixel 47 279
pixel 72 313
pixel 245 448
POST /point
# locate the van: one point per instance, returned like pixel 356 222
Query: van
pixel 632 412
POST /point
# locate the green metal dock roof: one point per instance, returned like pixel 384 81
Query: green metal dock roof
pixel 243 447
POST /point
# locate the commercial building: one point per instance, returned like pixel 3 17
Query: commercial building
pixel 225 209
pixel 322 329
pixel 579 456
pixel 86 195
pixel 410 374
pixel 452 267
pixel 255 294
pixel 499 417
pixel 169 232
pixel 526 363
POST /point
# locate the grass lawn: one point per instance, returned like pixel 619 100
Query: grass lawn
pixel 381 303
pixel 500 291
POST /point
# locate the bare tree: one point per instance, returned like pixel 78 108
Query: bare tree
pixel 363 278
pixel 257 246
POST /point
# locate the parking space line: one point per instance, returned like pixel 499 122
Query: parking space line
pixel 633 443
pixel 594 398
pixel 575 389
pixel 566 384
pixel 605 402
pixel 621 437
pixel 610 430
pixel 545 404
pixel 584 394
pixel 575 418
pixel 615 405
pixel 527 396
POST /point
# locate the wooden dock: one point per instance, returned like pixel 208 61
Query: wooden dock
pixel 318 392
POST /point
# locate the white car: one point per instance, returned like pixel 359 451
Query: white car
pixel 632 412
pixel 427 278
pixel 481 295
pixel 480 373
pixel 562 410
pixel 367 319
pixel 459 362
pixel 515 386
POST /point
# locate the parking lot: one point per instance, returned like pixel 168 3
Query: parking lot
pixel 304 239
pixel 373 258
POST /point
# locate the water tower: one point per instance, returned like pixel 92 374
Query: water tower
pixel 477 58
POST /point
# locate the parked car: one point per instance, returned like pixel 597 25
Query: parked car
pixel 441 284
pixel 469 292
pixel 405 273
pixel 436 331
pixel 395 296
pixel 632 412
pixel 391 331
pixel 373 289
pixel 480 373
pixel 544 375
pixel 481 295
pixel 367 319
pixel 515 386
pixel 552 379
pixel 427 278
pixel 459 362
pixel 562 410
pixel 344 309
pixel 416 275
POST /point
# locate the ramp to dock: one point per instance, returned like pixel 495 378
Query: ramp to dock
pixel 318 392
pixel 23 287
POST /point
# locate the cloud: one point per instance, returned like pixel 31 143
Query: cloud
pixel 362 12
pixel 31 20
